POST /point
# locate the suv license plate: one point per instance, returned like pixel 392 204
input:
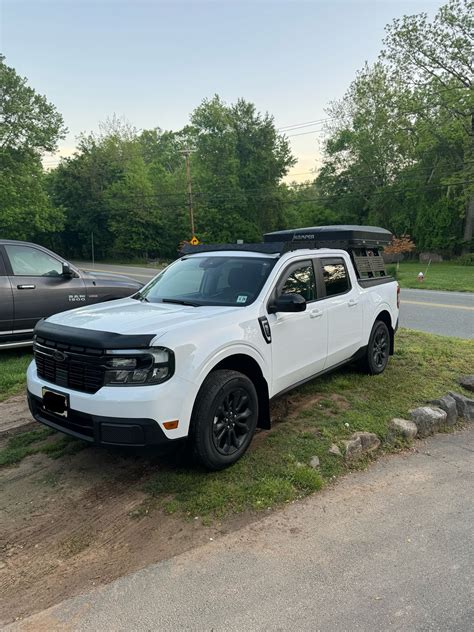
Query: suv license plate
pixel 55 402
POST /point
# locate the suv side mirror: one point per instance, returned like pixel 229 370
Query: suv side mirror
pixel 67 271
pixel 288 303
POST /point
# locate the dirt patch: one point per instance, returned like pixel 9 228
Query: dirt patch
pixel 84 519
pixel 292 405
pixel 14 412
pixel 80 521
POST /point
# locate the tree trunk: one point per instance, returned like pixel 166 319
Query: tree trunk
pixel 468 225
pixel 469 173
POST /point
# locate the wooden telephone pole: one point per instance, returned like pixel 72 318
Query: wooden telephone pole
pixel 187 152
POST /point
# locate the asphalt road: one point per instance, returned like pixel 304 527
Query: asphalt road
pixel 390 548
pixel 444 313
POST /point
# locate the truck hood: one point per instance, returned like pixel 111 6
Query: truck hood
pixel 129 316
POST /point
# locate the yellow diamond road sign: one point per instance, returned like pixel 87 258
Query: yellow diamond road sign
pixel 194 241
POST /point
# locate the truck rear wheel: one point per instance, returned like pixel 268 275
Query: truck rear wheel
pixel 378 349
pixel 224 419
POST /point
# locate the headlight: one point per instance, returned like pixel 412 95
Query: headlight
pixel 137 368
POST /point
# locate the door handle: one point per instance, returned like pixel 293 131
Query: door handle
pixel 315 313
pixel 26 287
pixel 352 302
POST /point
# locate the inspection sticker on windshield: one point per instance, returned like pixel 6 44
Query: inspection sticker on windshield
pixel 242 298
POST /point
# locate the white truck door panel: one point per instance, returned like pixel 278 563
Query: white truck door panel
pixel 344 308
pixel 299 340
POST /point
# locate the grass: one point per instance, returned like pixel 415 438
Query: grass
pixel 13 365
pixel 41 441
pixel 277 469
pixel 439 276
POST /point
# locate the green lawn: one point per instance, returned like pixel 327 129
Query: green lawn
pixel 439 276
pixel 330 409
pixel 13 365
pixel 307 421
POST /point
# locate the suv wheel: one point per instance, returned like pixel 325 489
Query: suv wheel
pixel 224 418
pixel 378 349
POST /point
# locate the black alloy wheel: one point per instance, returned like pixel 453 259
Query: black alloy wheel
pixel 224 418
pixel 231 424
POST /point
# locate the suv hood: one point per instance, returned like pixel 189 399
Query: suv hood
pixel 129 316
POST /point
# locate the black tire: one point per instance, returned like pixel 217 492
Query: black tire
pixel 378 349
pixel 224 419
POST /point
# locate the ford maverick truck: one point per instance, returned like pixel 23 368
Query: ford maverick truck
pixel 198 352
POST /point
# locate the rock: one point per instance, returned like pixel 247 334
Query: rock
pixel 464 405
pixel 434 257
pixel 448 404
pixel 314 463
pixel 428 419
pixel 334 449
pixel 402 428
pixel 369 441
pixel 353 448
pixel 467 382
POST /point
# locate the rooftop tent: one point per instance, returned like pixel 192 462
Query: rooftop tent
pixel 363 243
pixel 343 236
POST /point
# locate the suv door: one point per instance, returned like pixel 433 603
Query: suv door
pixel 344 310
pixel 299 339
pixel 6 301
pixel 39 289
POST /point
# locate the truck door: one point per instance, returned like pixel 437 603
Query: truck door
pixel 39 288
pixel 299 340
pixel 344 310
pixel 6 301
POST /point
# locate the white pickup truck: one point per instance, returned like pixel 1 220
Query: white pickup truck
pixel 200 350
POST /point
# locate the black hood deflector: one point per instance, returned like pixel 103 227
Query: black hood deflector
pixel 91 338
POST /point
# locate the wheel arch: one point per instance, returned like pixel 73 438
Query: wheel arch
pixel 248 366
pixel 386 318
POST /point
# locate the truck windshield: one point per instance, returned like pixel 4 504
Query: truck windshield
pixel 218 280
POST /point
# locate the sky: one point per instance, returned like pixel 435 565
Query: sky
pixel 153 62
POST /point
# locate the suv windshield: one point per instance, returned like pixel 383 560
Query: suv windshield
pixel 215 280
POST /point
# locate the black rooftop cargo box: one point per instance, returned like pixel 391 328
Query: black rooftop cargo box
pixel 343 236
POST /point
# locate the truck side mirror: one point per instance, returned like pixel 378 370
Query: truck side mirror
pixel 67 272
pixel 288 303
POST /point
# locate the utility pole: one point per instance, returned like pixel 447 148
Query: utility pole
pixel 187 152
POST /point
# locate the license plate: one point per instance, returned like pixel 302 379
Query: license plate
pixel 54 402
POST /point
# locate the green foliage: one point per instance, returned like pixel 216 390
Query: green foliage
pixel 130 189
pixel 29 126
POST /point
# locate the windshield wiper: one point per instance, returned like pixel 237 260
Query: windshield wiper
pixel 140 297
pixel 178 301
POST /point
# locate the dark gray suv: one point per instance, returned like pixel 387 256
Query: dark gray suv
pixel 35 283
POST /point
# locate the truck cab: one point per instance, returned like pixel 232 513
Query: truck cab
pixel 199 352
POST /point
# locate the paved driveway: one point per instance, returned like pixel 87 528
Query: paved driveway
pixel 391 548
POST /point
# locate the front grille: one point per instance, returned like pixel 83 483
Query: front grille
pixel 71 366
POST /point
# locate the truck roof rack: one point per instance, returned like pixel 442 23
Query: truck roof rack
pixel 346 237
pixel 274 248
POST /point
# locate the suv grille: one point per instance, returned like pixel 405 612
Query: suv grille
pixel 74 367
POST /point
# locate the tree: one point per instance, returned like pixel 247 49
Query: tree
pixel 29 126
pixel 435 59
pixel 400 246
pixel 237 165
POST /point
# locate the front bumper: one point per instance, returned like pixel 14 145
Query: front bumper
pixel 99 429
pixel 137 414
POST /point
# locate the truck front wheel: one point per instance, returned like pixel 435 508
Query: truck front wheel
pixel 224 419
pixel 378 349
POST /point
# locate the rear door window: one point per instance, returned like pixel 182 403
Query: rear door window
pixel 335 276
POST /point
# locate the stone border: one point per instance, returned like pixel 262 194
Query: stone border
pixel 425 421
